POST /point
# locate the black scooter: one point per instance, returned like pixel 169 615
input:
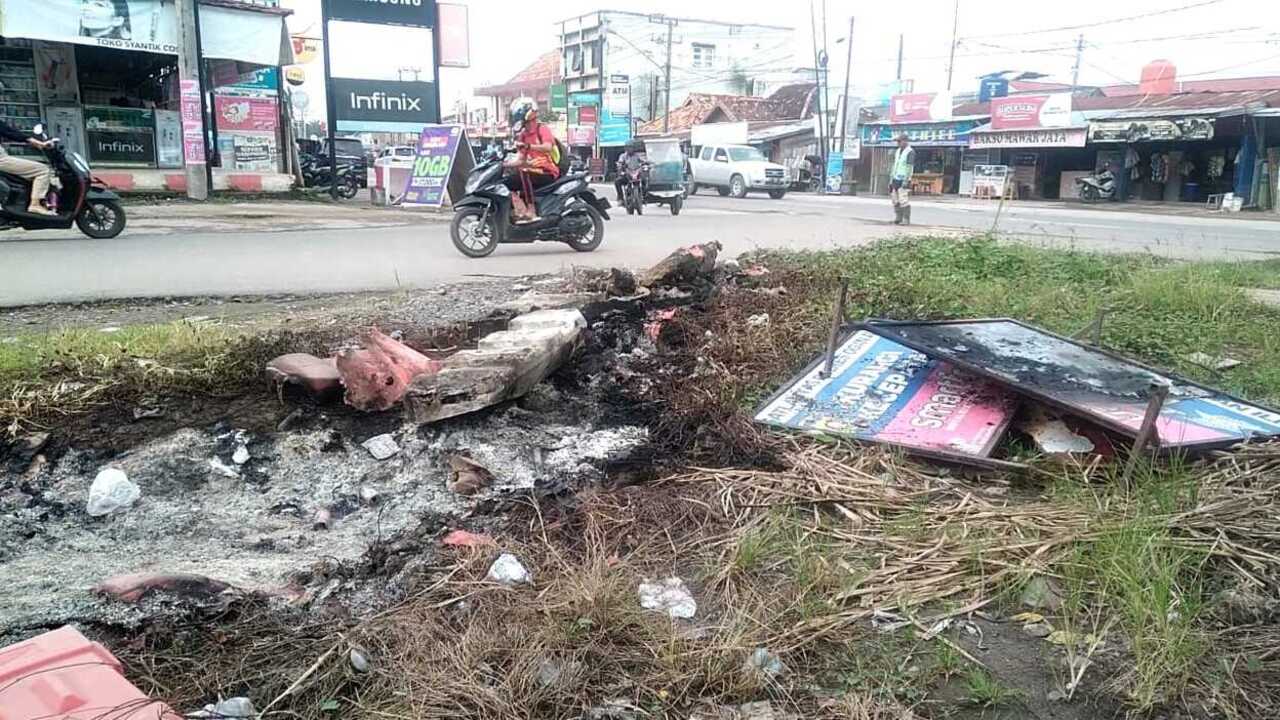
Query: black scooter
pixel 81 198
pixel 315 175
pixel 568 210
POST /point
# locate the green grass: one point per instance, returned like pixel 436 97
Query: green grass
pixel 1159 310
pixel 985 690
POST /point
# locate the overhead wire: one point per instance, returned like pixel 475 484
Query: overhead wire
pixel 1101 23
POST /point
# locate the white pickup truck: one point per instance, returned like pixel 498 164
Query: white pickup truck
pixel 736 170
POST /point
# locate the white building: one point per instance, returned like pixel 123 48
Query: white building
pixel 706 56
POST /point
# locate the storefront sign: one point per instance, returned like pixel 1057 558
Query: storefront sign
pixel 990 180
pixel 56 77
pixel 305 49
pixel 1131 131
pixel 584 100
pixel 582 135
pixel 246 113
pixel 588 115
pixel 383 105
pixel 881 391
pixel 1031 111
pixel 169 138
pixel 835 172
pixel 614 131
pixel 258 83
pixel 414 13
pixel 618 101
pixel 249 152
pixel 920 107
pixel 455 36
pixel 295 75
pixel 192 123
pixel 954 134
pixel 122 147
pixel 1063 137
pixel 148 25
pixel 559 97
pixel 103 117
pixel 437 148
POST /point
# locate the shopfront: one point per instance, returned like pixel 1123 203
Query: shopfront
pixel 1184 157
pixel 1043 162
pixel 103 77
pixel 939 147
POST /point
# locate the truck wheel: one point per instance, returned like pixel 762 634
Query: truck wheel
pixel 738 187
pixel 777 194
pixel 724 191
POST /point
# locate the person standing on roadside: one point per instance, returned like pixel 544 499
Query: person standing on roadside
pixel 904 166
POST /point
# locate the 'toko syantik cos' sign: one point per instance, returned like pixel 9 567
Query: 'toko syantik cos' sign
pixel 1031 111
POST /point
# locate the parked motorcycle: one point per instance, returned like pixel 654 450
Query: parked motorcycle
pixel 569 211
pixel 315 175
pixel 1096 187
pixel 76 197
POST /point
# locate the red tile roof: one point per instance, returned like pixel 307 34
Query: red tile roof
pixel 1270 82
pixel 540 75
pixel 1036 86
pixel 789 102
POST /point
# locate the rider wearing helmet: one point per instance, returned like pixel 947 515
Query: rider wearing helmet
pixel 534 166
pixel 632 159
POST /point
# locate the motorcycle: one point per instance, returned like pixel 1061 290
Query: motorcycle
pixel 315 174
pixel 1094 188
pixel 568 209
pixel 75 196
pixel 633 188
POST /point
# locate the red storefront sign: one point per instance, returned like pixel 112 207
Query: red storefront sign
pixel 920 107
pixel 581 135
pixel 588 115
pixel 1031 111
pixel 245 113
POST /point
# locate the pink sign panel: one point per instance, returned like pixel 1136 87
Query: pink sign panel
pixel 881 391
pixel 192 122
pixel 245 113
pixel 916 107
pixel 455 35
pixel 1030 111
pixel 581 135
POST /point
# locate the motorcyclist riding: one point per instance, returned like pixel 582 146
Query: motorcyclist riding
pixel 533 167
pixel 631 160
pixel 38 174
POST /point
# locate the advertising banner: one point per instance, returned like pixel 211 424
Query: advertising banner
pixel 250 114
pixel 383 105
pixel 852 118
pixel 1046 137
pixel 261 82
pixel 614 131
pixel 437 149
pixel 881 391
pixel 305 49
pixel 192 123
pixel 1131 131
pixel 67 123
pixel 618 99
pixel 581 136
pixel 455 36
pixel 169 138
pixel 559 97
pixel 920 107
pixel 1025 112
pixel 249 152
pixel 954 134
pixel 122 147
pixel 835 172
pixel 147 25
pixel 588 115
pixel 413 13
pixel 990 180
pixel 56 77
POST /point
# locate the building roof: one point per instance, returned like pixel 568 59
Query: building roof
pixel 1021 86
pixel 789 102
pixel 796 100
pixel 539 75
pixel 1268 82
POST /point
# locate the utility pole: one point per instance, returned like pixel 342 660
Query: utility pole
pixel 900 41
pixel 848 70
pixel 189 70
pixel 331 109
pixel 818 66
pixel 1075 72
pixel 666 117
pixel 955 28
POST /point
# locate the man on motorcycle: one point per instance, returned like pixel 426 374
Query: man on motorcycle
pixel 534 166
pixel 33 172
pixel 632 159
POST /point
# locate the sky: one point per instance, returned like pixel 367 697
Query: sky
pixel 1203 38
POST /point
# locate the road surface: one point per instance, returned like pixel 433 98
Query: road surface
pixel 63 266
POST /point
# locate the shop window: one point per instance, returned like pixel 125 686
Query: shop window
pixel 704 56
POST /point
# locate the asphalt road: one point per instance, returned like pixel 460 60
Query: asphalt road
pixel 63 266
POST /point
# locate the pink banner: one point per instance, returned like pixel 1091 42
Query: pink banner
pixel 581 135
pixel 246 113
pixel 1030 111
pixel 911 108
pixel 192 122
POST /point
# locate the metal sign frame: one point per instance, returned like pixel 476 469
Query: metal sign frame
pixel 884 329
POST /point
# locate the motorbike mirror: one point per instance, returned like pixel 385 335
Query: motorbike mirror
pixel 38 129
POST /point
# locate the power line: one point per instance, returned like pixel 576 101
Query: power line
pixel 1100 23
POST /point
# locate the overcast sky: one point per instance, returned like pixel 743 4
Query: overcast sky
pixel 1204 38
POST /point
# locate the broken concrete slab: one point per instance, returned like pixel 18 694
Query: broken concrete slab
pixel 1213 362
pixel 377 375
pixel 683 265
pixel 504 366
pixel 534 301
pixel 319 377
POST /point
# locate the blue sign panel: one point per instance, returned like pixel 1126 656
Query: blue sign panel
pixel 940 134
pixel 614 131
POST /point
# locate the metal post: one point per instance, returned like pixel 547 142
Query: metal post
pixel 1148 431
pixel 837 321
pixel 331 103
pixel 191 67
pixel 955 27
pixel 848 70
pixel 901 40
pixel 1075 73
pixel 666 118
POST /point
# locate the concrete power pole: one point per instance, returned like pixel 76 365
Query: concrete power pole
pixel 189 69
pixel 666 117
pixel 1075 72
pixel 955 28
pixel 900 42
pixel 848 70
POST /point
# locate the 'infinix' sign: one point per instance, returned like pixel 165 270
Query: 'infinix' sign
pixel 384 101
pixel 414 13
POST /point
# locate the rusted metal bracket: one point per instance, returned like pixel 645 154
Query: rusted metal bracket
pixel 837 322
pixel 1148 432
pixel 1093 331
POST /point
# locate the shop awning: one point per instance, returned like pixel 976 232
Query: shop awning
pixel 229 30
pixel 1072 137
